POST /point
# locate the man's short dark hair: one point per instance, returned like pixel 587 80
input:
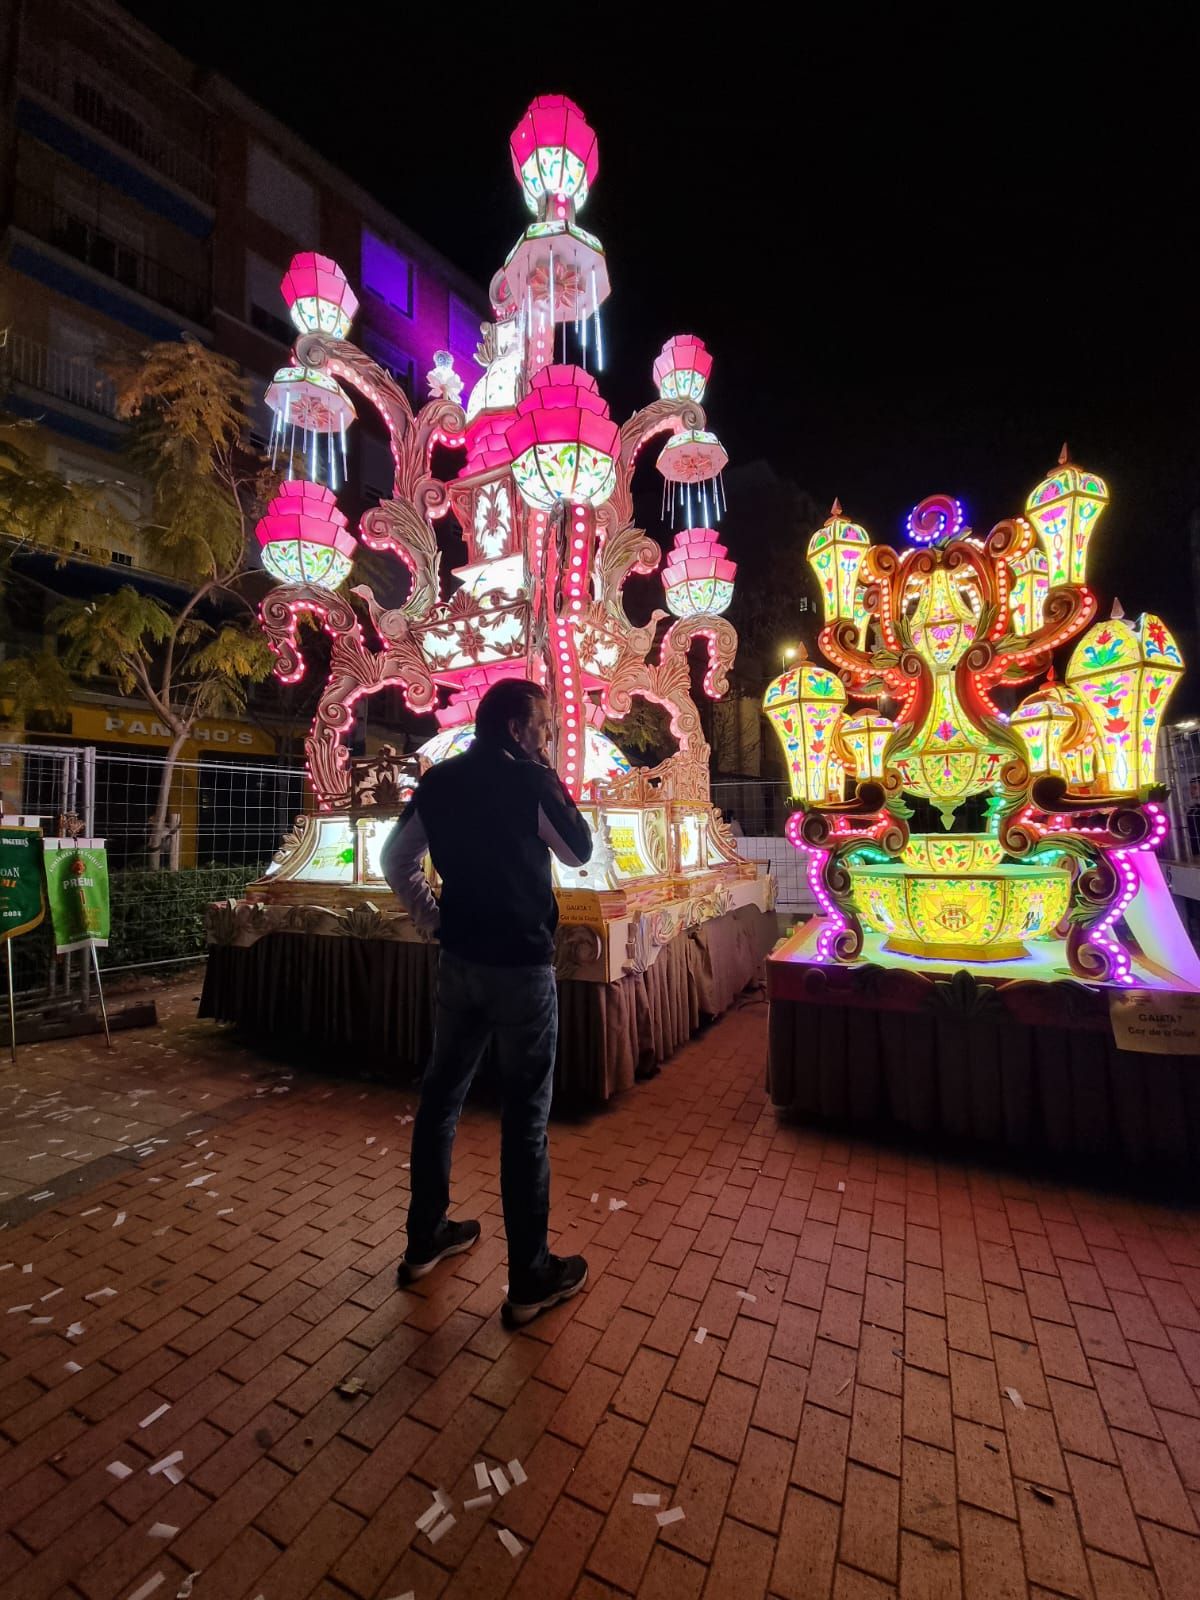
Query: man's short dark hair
pixel 510 700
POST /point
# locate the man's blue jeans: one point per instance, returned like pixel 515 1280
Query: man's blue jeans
pixel 518 1008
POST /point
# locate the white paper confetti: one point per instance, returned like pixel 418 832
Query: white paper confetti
pixel 172 1475
pixel 647 1499
pixel 13 1309
pixel 595 1198
pixel 72 1366
pixel 120 1218
pixel 510 1542
pixel 498 1478
pixel 154 1415
pixel 478 1502
pixel 372 1139
pixel 1015 1396
pixel 841 1188
pixel 481 1475
pixel 617 1205
pixel 45 1194
pixel 428 1518
pixel 441 1529
pixel 162 1530
pixel 52 1293
pixel 200 1178
pixel 184 1591
pixel 35 1321
pixel 118 1469
pixel 148 1588
pixel 225 1211
pixel 666 1518
pixel 744 1294
pixel 75 1330
pixel 28 1267
pixel 100 1294
pixel 517 1472
pixel 167 1461
pixel 91 1211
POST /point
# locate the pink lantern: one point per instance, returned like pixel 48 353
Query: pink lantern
pixel 681 371
pixel 698 577
pixel 319 299
pixel 691 463
pixel 309 401
pixel 563 443
pixel 304 537
pixel 554 152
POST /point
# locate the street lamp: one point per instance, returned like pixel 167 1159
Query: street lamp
pixel 787 655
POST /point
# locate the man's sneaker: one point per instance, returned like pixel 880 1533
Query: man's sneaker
pixel 451 1239
pixel 558 1280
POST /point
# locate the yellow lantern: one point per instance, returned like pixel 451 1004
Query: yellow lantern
pixel 1030 586
pixel 862 741
pixel 835 553
pixel 1125 673
pixel 1064 509
pixel 803 706
pixel 1045 724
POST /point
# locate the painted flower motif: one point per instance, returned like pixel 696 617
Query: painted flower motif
pixel 944 731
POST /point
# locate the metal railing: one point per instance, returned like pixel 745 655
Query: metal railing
pixel 225 820
pixel 85 241
pixel 39 366
pixel 190 167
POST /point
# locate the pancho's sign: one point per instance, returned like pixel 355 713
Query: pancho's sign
pixel 1156 1021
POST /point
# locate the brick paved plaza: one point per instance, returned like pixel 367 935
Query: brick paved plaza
pixel 917 1379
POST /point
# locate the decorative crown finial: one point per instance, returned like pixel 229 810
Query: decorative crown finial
pixel 1118 610
pixel 835 509
pixel 1064 455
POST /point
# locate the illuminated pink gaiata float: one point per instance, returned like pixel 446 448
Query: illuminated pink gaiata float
pixel 1000 860
pixel 543 495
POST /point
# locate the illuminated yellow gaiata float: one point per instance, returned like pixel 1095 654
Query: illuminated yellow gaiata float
pixel 936 824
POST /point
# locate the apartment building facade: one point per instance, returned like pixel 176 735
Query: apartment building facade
pixel 142 199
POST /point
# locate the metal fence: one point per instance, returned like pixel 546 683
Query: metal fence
pixel 224 820
pixel 758 812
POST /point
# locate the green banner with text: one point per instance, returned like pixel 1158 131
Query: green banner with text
pixel 22 902
pixel 77 884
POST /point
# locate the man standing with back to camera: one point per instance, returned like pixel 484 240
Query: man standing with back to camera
pixel 489 818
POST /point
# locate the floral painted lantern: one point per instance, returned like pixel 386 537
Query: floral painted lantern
pixel 835 553
pixel 1125 673
pixel 698 577
pixel 554 153
pixel 1030 584
pixel 312 404
pixel 563 443
pixel 1045 722
pixel 304 537
pixel 1064 510
pixel 319 300
pixel 682 369
pixel 803 706
pixel 692 461
pixel 863 739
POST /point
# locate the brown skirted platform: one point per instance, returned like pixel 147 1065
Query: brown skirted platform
pixel 1025 1067
pixel 369 1002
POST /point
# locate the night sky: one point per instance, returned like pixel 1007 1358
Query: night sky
pixel 923 251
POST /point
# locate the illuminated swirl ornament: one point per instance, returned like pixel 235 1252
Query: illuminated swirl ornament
pixel 319 299
pixel 304 538
pixel 937 518
pixel 562 441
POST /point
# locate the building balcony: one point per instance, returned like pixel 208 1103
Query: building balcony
pixel 38 368
pixel 84 241
pixel 187 167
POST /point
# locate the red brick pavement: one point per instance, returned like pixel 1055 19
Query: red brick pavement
pixel 918 1379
